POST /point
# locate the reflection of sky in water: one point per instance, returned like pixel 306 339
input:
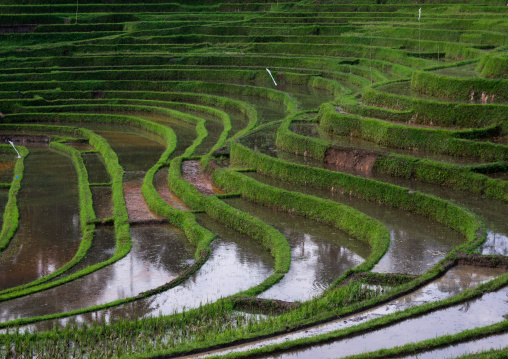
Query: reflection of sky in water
pixel 303 281
pixel 49 231
pixel 230 269
pixel 476 313
pixel 158 254
pixel 416 243
pixel 227 271
pixel 496 243
pixel 483 311
pixel 492 342
pixel 319 253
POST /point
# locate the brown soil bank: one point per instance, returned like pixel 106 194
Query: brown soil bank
pixel 351 158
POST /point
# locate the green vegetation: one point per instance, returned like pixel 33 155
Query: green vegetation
pixel 367 101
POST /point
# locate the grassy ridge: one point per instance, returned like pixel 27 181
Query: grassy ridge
pixel 11 214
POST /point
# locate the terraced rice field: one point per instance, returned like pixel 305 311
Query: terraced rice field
pixel 279 179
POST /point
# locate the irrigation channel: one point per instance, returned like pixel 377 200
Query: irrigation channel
pixel 269 179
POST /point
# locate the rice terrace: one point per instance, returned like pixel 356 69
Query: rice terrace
pixel 254 179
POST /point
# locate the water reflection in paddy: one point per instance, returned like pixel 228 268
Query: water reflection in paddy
pixel 135 152
pixel 102 248
pixel 4 197
pixel 471 347
pixel 185 132
pixel 319 253
pixel 492 211
pixel 236 263
pixel 95 168
pixel 416 242
pixel 102 202
pixel 159 253
pixel 49 232
pixel 488 309
pixel 479 312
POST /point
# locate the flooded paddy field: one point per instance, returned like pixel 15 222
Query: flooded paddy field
pixel 236 263
pixel 319 253
pixel 455 281
pixel 49 234
pixel 159 253
pixel 154 275
pixel 416 243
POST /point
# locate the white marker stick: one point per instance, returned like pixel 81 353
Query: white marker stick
pixel 272 77
pixel 12 144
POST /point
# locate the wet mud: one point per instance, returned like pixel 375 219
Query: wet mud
pixel 49 232
pixel 192 171
pixel 356 159
pixel 4 197
pixel 137 208
pixel 159 253
pixel 319 253
pixel 161 185
pixel 313 130
pixel 7 163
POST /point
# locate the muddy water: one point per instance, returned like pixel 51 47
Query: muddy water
pixel 236 263
pixel 493 342
pixel 4 197
pixel 7 163
pixel 267 110
pixel 192 171
pixel 185 132
pixel 135 152
pixel 103 248
pixel 49 232
pixel 214 126
pixel 159 253
pixel 492 211
pixel 95 168
pixel 102 201
pixel 313 130
pixel 80 146
pixel 480 312
pixel 416 242
pixel 319 253
pixel 307 97
pixel 160 183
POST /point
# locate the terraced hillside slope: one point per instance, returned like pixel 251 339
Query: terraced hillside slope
pixel 276 178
